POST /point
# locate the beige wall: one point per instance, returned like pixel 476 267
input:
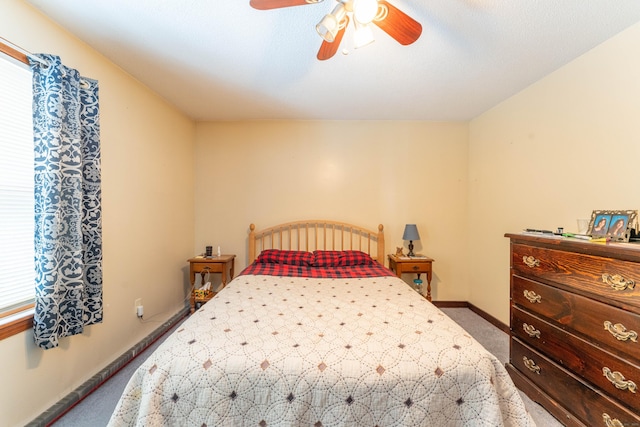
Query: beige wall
pixel 563 147
pixel 147 166
pixel 364 173
pixel 544 158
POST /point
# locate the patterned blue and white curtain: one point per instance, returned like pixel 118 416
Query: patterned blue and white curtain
pixel 68 219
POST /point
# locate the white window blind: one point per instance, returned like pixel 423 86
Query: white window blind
pixel 17 271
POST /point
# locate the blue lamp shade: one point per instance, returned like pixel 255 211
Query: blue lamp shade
pixel 411 232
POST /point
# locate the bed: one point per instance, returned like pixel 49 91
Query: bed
pixel 317 332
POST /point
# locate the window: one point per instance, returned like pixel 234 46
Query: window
pixel 16 192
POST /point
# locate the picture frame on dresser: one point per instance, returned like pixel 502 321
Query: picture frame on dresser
pixel 617 225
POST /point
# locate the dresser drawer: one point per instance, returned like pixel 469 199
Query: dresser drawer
pixel 605 278
pixel 609 327
pixel 617 377
pixel 585 402
pixel 416 267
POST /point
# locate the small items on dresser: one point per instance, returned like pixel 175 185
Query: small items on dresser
pixel 575 318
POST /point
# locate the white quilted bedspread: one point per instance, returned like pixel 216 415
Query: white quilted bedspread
pixel 285 351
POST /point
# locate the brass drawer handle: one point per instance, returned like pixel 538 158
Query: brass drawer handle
pixel 611 422
pixel 532 296
pixel 617 282
pixel 618 380
pixel 531 365
pixel 415 267
pixel 531 331
pixel 530 261
pixel 620 332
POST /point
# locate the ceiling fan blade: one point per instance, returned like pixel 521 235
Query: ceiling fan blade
pixel 404 29
pixel 327 50
pixel 276 4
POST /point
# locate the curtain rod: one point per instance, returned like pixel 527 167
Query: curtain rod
pixel 21 55
pixel 12 51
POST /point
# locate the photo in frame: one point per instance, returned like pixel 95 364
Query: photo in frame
pixel 616 225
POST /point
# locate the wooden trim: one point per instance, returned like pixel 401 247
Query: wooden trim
pixel 489 318
pixel 451 304
pixel 465 304
pixel 17 310
pixel 19 324
pixel 14 53
pixel 24 322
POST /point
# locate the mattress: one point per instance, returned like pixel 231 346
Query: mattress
pixel 281 350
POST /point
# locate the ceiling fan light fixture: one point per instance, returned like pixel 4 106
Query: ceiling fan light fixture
pixel 388 18
pixel 329 26
pixel 364 11
pixel 363 35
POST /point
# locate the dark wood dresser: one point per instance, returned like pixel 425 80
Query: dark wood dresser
pixel 575 320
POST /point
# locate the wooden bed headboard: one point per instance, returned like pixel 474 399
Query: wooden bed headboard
pixel 313 235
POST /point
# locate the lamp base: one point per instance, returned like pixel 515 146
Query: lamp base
pixel 410 248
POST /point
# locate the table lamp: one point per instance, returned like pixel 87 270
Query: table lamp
pixel 411 234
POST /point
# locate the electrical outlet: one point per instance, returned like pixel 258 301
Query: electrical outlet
pixel 136 304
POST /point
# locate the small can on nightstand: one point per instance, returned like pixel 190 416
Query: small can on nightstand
pixel 418 265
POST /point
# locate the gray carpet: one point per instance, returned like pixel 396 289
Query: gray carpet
pixel 95 410
pixel 497 342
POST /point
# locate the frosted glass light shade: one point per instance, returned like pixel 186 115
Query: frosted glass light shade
pixel 329 26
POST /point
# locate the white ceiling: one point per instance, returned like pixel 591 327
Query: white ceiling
pixel 223 60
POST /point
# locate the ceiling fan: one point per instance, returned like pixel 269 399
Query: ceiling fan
pixel 404 29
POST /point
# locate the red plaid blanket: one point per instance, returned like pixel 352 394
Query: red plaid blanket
pixel 373 270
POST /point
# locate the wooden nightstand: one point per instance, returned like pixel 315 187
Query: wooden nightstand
pixel 403 265
pixel 217 264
